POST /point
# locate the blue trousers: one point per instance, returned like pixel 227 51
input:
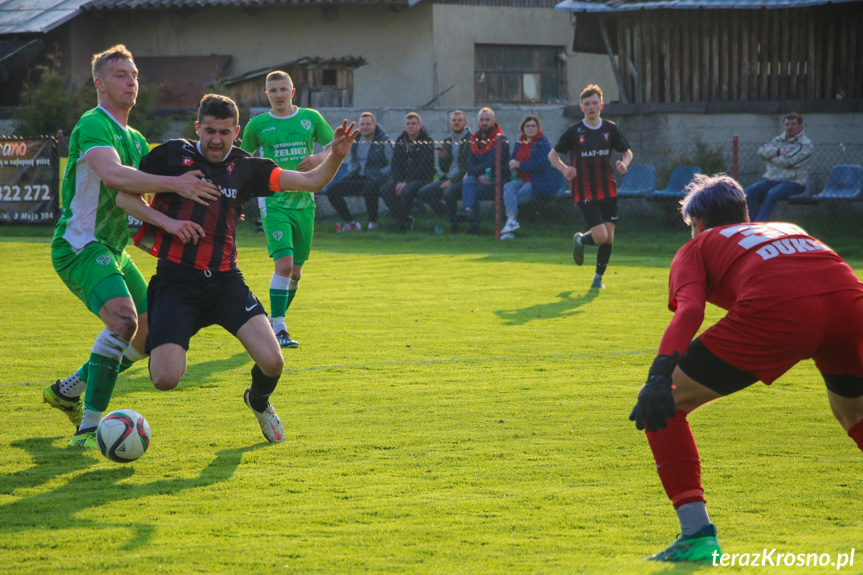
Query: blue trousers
pixel 472 192
pixel 762 197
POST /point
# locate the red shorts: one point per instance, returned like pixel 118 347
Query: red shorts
pixel 768 342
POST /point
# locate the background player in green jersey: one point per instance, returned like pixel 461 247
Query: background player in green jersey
pixel 287 135
pixel 88 250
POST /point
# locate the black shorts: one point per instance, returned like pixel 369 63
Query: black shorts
pixel 181 300
pixel 596 213
pixel 716 374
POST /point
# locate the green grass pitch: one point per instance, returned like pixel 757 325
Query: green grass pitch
pixel 456 406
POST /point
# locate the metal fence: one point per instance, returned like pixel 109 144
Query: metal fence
pixel 647 208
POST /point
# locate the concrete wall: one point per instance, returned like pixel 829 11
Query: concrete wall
pixel 458 28
pixel 401 47
pixel 657 139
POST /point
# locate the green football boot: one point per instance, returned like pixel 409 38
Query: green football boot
pixel 73 408
pixel 85 438
pixel 700 547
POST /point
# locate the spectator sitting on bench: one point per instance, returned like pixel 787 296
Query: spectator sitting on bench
pixel 368 169
pixel 534 174
pixel 788 158
pixel 478 183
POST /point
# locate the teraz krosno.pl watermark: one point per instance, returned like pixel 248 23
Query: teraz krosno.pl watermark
pixel 774 558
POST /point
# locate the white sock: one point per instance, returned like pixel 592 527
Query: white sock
pixel 90 418
pixel 133 354
pixel 73 386
pixel 279 282
pixel 278 324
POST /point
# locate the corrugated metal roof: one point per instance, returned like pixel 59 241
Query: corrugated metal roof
pixel 36 16
pixel 631 5
pixel 102 5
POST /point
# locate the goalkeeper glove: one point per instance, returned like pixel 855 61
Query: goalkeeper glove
pixel 655 403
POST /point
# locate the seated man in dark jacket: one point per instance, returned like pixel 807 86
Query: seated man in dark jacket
pixel 412 168
pixel 369 167
pixel 479 183
pixel 443 195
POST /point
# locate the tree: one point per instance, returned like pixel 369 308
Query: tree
pixel 50 106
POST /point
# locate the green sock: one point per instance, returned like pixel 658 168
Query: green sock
pixel 125 364
pixel 101 378
pixel 279 295
pixel 103 368
pixel 292 291
pixel 279 299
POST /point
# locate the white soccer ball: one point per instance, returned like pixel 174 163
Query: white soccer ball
pixel 123 435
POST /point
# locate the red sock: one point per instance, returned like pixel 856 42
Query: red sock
pixel 856 433
pixel 677 461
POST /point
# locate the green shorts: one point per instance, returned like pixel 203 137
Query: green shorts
pixel 289 232
pixel 97 274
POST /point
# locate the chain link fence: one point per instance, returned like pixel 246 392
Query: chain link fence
pixel 644 208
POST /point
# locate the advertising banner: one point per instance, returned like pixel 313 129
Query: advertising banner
pixel 29 176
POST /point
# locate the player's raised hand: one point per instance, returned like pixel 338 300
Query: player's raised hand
pixel 343 139
pixel 185 230
pixel 192 186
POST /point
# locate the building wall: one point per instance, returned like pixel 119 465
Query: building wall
pixel 458 28
pixel 399 50
pixel 401 47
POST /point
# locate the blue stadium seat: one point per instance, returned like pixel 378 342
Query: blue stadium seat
pixel 844 182
pixel 638 182
pixel 677 182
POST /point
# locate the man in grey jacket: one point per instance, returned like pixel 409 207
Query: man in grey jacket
pixel 788 158
pixel 368 169
pixel 443 195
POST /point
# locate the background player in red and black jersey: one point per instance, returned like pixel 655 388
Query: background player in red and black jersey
pixel 788 296
pixel 198 284
pixel 589 144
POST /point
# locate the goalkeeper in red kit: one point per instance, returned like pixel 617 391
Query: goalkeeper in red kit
pixel 788 296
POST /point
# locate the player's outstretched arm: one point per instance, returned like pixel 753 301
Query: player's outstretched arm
pixel 107 165
pixel 309 163
pixel 315 180
pixel 135 206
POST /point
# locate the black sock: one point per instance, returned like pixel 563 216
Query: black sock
pixel 587 240
pixel 603 254
pixel 262 388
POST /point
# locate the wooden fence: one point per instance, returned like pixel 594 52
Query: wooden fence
pixel 740 55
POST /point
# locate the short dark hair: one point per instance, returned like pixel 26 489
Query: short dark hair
pixel 116 52
pixel 794 116
pixel 718 200
pixel 218 107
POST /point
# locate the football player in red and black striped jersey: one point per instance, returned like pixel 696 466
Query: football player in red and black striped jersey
pixel 589 144
pixel 198 283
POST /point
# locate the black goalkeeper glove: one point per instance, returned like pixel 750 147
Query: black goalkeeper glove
pixel 655 403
